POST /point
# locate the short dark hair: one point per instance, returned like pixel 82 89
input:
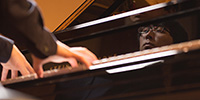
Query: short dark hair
pixel 177 32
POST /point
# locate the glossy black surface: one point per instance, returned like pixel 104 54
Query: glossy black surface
pixel 177 77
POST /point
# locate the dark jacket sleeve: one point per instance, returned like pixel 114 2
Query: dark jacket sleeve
pixel 6 46
pixel 21 21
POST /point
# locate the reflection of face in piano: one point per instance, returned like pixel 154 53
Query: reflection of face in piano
pixel 154 36
pixel 161 34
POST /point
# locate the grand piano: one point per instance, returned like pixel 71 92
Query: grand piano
pixel 122 71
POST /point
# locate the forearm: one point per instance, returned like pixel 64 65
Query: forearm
pixel 21 21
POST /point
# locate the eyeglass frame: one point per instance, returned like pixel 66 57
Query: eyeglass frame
pixel 152 28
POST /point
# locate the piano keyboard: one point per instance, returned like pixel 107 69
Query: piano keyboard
pixel 117 60
pixel 48 73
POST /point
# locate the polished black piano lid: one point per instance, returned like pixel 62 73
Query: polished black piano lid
pixel 128 18
pixel 96 9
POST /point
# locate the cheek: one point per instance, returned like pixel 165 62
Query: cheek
pixel 162 40
pixel 141 41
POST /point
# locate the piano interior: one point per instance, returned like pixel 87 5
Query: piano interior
pixel 112 30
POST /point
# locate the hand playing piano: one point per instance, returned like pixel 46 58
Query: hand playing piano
pixel 17 62
pixel 65 54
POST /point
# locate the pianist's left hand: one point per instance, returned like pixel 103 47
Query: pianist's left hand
pixel 17 62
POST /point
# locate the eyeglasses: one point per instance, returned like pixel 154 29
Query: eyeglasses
pixel 154 28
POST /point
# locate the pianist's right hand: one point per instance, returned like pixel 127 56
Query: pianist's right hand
pixel 63 54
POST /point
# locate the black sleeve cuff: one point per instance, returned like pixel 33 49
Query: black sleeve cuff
pixel 6 46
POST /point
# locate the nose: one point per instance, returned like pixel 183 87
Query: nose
pixel 149 35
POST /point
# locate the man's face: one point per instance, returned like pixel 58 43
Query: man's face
pixel 154 36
